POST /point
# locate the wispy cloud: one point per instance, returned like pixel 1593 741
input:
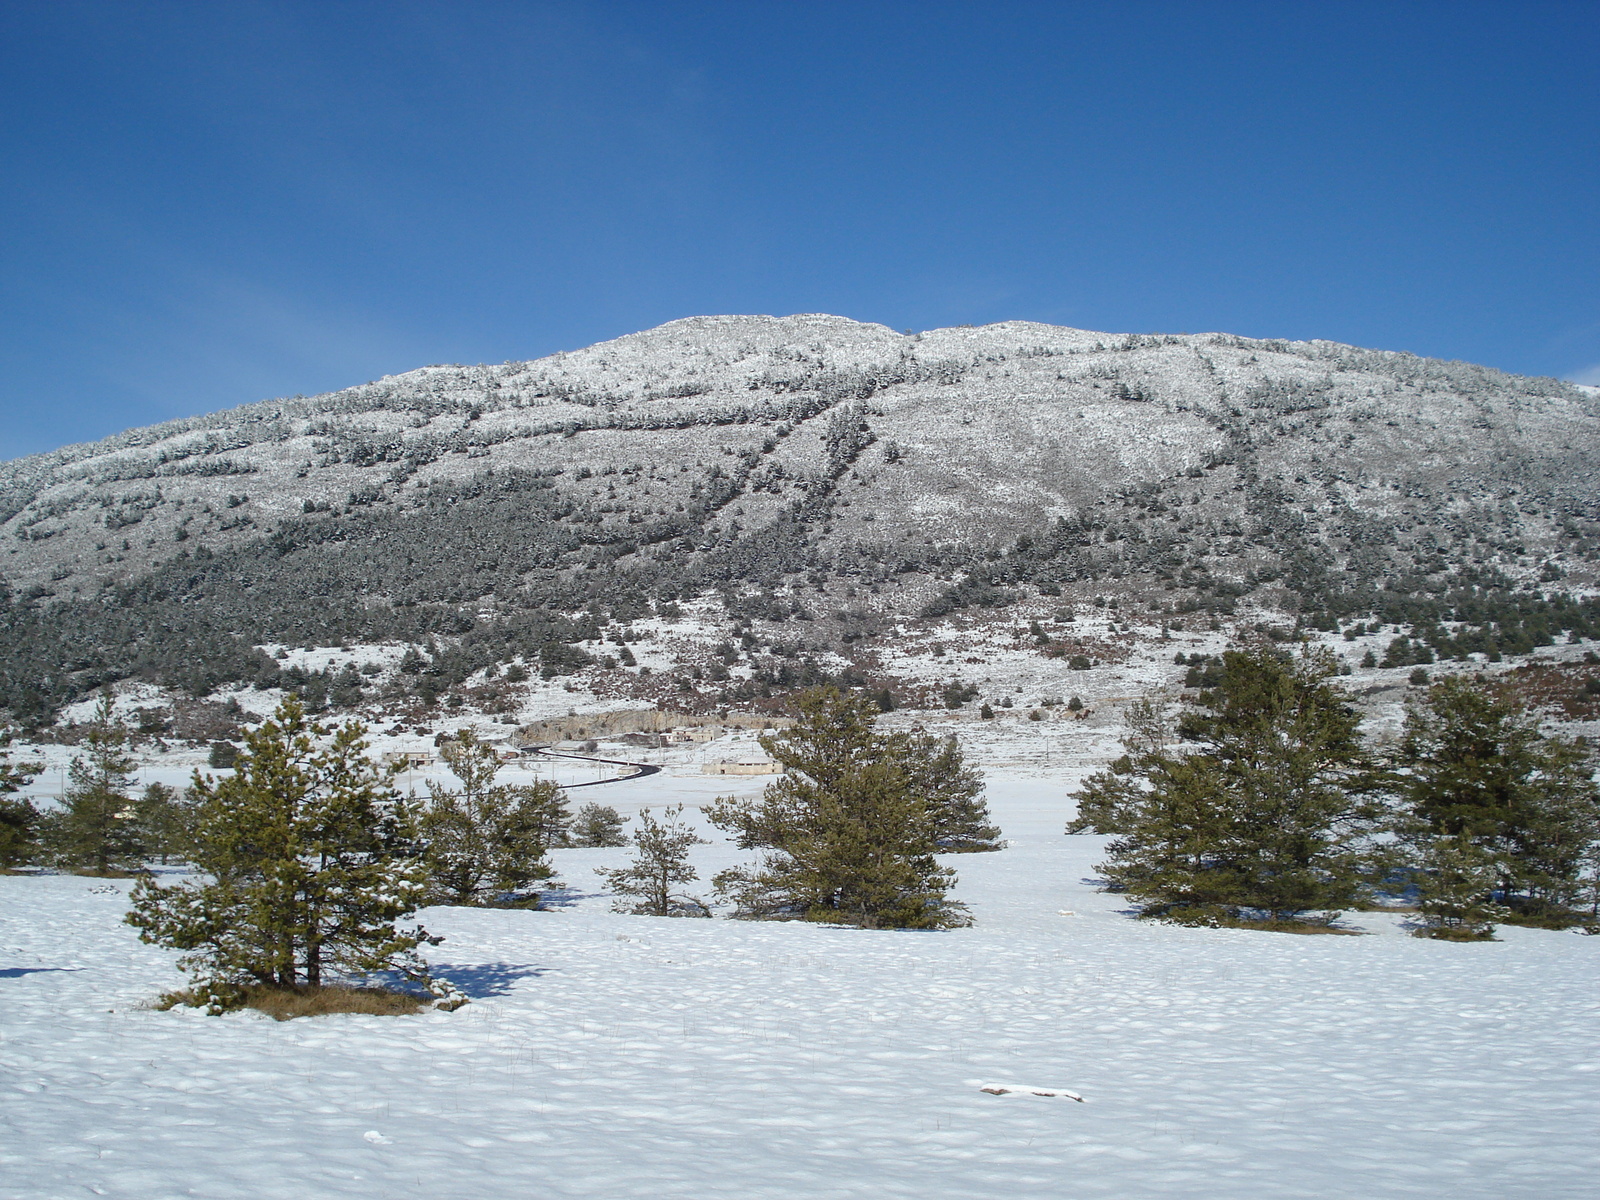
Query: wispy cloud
pixel 1588 375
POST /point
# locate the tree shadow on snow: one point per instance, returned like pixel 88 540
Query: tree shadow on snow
pixel 1104 885
pixel 565 896
pixel 481 980
pixel 19 972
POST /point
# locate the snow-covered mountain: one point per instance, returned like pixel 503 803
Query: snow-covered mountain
pixel 802 466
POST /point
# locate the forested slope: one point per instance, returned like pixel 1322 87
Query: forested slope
pixel 506 510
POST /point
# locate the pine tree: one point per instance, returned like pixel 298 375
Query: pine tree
pixel 847 835
pixel 1109 799
pixel 19 820
pixel 645 887
pixel 1473 766
pixel 937 771
pixel 311 862
pixel 165 820
pixel 1264 821
pixel 1175 854
pixel 487 841
pixel 596 825
pixel 95 830
pixel 1455 880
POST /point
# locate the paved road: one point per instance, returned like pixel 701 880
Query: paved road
pixel 640 770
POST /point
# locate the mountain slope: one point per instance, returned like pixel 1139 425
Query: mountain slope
pixel 512 508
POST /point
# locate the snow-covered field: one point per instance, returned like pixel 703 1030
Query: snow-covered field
pixel 610 1056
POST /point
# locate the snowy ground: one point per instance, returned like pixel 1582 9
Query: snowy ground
pixel 610 1056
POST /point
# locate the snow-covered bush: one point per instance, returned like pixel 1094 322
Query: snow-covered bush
pixel 596 825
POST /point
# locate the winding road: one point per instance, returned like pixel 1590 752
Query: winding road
pixel 640 770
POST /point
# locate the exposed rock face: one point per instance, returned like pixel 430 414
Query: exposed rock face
pixel 752 454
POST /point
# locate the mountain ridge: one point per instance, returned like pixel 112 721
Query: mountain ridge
pixel 768 457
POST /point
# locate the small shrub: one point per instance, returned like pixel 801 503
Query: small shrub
pixel 1456 933
pixel 645 886
pixel 596 825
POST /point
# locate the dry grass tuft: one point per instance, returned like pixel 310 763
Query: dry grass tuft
pixel 1445 934
pixel 284 1004
pixel 1293 927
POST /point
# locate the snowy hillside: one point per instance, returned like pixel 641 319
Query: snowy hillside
pixel 1035 421
pixel 606 1056
pixel 803 469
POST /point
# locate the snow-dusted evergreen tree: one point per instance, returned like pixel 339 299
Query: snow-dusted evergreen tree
pixel 596 825
pixel 847 835
pixel 487 841
pixel 96 828
pixel 937 771
pixel 19 820
pixel 1112 797
pixel 1455 880
pixel 1474 768
pixel 1265 820
pixel 312 863
pixel 647 886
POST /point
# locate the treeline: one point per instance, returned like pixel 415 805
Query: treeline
pixel 311 865
pixel 1454 626
pixel 378 572
pixel 849 835
pixel 1262 804
pixel 485 841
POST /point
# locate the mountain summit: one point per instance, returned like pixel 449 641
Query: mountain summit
pixel 779 463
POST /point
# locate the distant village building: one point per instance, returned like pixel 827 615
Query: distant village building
pixel 704 733
pixel 747 764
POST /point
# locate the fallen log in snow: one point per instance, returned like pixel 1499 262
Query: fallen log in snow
pixel 1020 1089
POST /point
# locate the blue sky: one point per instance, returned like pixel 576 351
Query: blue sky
pixel 207 204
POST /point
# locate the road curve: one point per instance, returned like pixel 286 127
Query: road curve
pixel 640 770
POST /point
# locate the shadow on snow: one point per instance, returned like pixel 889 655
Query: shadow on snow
pixel 481 980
